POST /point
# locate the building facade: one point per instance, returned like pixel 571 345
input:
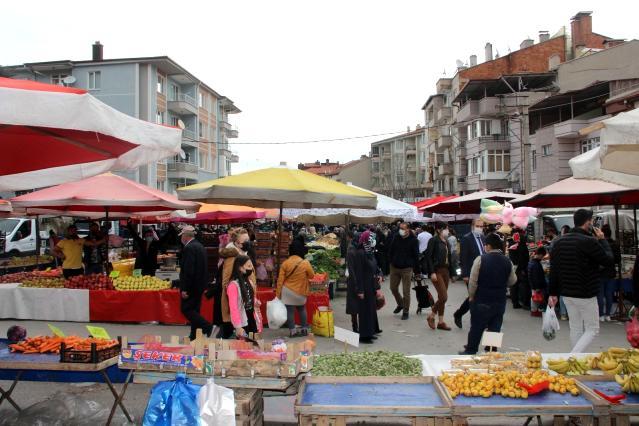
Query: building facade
pixel 159 90
pixel 356 172
pixel 399 166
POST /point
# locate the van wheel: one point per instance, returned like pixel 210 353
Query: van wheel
pixel 14 253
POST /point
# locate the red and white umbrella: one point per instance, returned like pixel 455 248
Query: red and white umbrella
pixel 97 196
pixel 53 134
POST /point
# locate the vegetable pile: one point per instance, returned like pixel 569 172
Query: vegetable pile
pixel 49 344
pixel 380 363
pixel 326 261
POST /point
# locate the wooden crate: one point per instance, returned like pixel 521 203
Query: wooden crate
pixel 338 415
pixel 249 407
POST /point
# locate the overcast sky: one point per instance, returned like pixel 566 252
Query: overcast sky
pixel 301 70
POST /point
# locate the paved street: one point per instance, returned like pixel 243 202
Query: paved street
pixel 411 337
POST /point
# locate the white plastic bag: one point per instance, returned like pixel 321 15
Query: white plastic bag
pixel 217 405
pixel 550 325
pixel 275 313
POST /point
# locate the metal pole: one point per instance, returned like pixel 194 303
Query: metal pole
pixel 37 232
pixel 636 235
pixel 279 241
pixel 106 218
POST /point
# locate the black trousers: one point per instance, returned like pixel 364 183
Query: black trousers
pixel 190 308
pixel 484 317
pixel 464 308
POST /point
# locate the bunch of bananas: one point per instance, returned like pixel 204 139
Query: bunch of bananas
pixel 570 366
pixel 504 383
pixel 629 382
pixel 617 361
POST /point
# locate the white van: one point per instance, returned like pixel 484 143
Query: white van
pixel 17 236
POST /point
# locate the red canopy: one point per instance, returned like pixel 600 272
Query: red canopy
pixel 93 196
pixel 223 213
pixel 573 192
pixel 469 203
pixel 421 205
pixel 53 134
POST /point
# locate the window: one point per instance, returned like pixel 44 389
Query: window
pixel 469 167
pixel 498 160
pixel 546 150
pixel 161 84
pixel 200 129
pixel 588 144
pixel 58 79
pixel 23 232
pixel 534 160
pixel 174 121
pixel 200 100
pixel 484 127
pixel 159 117
pixel 95 78
pixel 174 92
pixel 159 185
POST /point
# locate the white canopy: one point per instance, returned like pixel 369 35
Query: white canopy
pixel 617 158
pixel 388 210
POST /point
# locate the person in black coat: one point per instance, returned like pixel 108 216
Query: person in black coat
pixel 351 286
pixel 148 248
pixel 520 292
pixel 194 279
pixel 437 259
pixel 472 246
pixel 367 279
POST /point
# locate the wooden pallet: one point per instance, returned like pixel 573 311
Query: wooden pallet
pixel 339 415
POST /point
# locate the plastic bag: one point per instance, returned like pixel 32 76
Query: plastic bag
pixel 632 331
pixel 217 405
pixel 323 322
pixel 173 402
pixel 550 325
pixel 275 313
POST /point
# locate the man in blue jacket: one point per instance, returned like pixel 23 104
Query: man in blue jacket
pixel 472 246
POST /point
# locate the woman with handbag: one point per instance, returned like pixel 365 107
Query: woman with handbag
pixel 293 287
pixel 437 258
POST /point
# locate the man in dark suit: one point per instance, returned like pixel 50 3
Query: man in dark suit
pixel 472 246
pixel 194 280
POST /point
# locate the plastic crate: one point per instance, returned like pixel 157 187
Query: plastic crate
pixel 92 356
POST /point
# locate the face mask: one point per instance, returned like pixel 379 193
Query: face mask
pixel 148 239
pixel 248 272
pixel 373 242
pixel 478 231
pixel 402 233
pixel 445 233
pixel 246 245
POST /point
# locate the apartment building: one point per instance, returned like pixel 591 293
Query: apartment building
pixel 591 88
pixel 477 122
pixel 399 166
pixel 154 89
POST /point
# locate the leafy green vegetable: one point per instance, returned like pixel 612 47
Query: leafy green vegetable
pixel 379 363
pixel 326 261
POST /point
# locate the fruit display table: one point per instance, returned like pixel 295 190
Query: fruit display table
pixel 141 306
pixel 313 301
pixel 50 304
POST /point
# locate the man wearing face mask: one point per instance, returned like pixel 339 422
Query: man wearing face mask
pixel 239 245
pixel 148 247
pixel 403 256
pixel 472 246
pixel 576 262
pixel 194 279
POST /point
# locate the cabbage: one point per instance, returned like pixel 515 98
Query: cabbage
pixel 16 333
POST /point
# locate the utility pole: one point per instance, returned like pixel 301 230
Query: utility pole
pixel 526 175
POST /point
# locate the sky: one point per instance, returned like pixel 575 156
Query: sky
pixel 300 70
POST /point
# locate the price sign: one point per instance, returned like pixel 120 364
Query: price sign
pixel 114 274
pixel 98 332
pixel 346 336
pixel 492 339
pixel 56 331
pixel 137 272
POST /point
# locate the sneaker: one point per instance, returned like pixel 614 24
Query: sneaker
pixel 564 317
pixel 602 319
pixel 535 314
pixel 398 310
pixel 458 320
pixel 405 316
pixel 608 319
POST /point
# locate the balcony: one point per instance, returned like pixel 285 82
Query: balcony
pixel 433 134
pixel 489 106
pixel 182 170
pixel 386 155
pixel 443 114
pixel 444 142
pixel 411 167
pixel 570 128
pixel 235 158
pixel 226 126
pixel 411 150
pixel 183 105
pixel 189 134
pixel 469 111
pixel 233 133
pixel 445 169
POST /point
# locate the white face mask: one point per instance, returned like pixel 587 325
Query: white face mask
pixel 402 233
pixel 445 233
pixel 478 231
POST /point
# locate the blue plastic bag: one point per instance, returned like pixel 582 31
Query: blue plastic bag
pixel 173 402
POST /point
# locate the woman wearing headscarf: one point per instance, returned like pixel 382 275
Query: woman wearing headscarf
pixel 351 285
pixel 366 282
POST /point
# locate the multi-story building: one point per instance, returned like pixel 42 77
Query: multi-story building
pixel 400 166
pixel 478 121
pixel 154 89
pixel 591 89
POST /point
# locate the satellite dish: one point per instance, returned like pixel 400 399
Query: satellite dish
pixel 181 125
pixel 69 80
pixel 182 155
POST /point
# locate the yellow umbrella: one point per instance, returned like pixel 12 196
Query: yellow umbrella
pixel 278 187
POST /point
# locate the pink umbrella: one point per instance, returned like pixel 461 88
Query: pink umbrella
pixel 105 193
pixel 53 134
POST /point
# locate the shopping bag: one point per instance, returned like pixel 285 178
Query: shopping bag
pixel 538 296
pixel 380 300
pixel 173 402
pixel 323 322
pixel 632 331
pixel 275 313
pixel 216 404
pixel 550 324
pixel 424 298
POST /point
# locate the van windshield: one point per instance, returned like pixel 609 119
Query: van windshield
pixel 8 225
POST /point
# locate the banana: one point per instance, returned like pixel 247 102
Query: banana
pixel 621 380
pixel 608 365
